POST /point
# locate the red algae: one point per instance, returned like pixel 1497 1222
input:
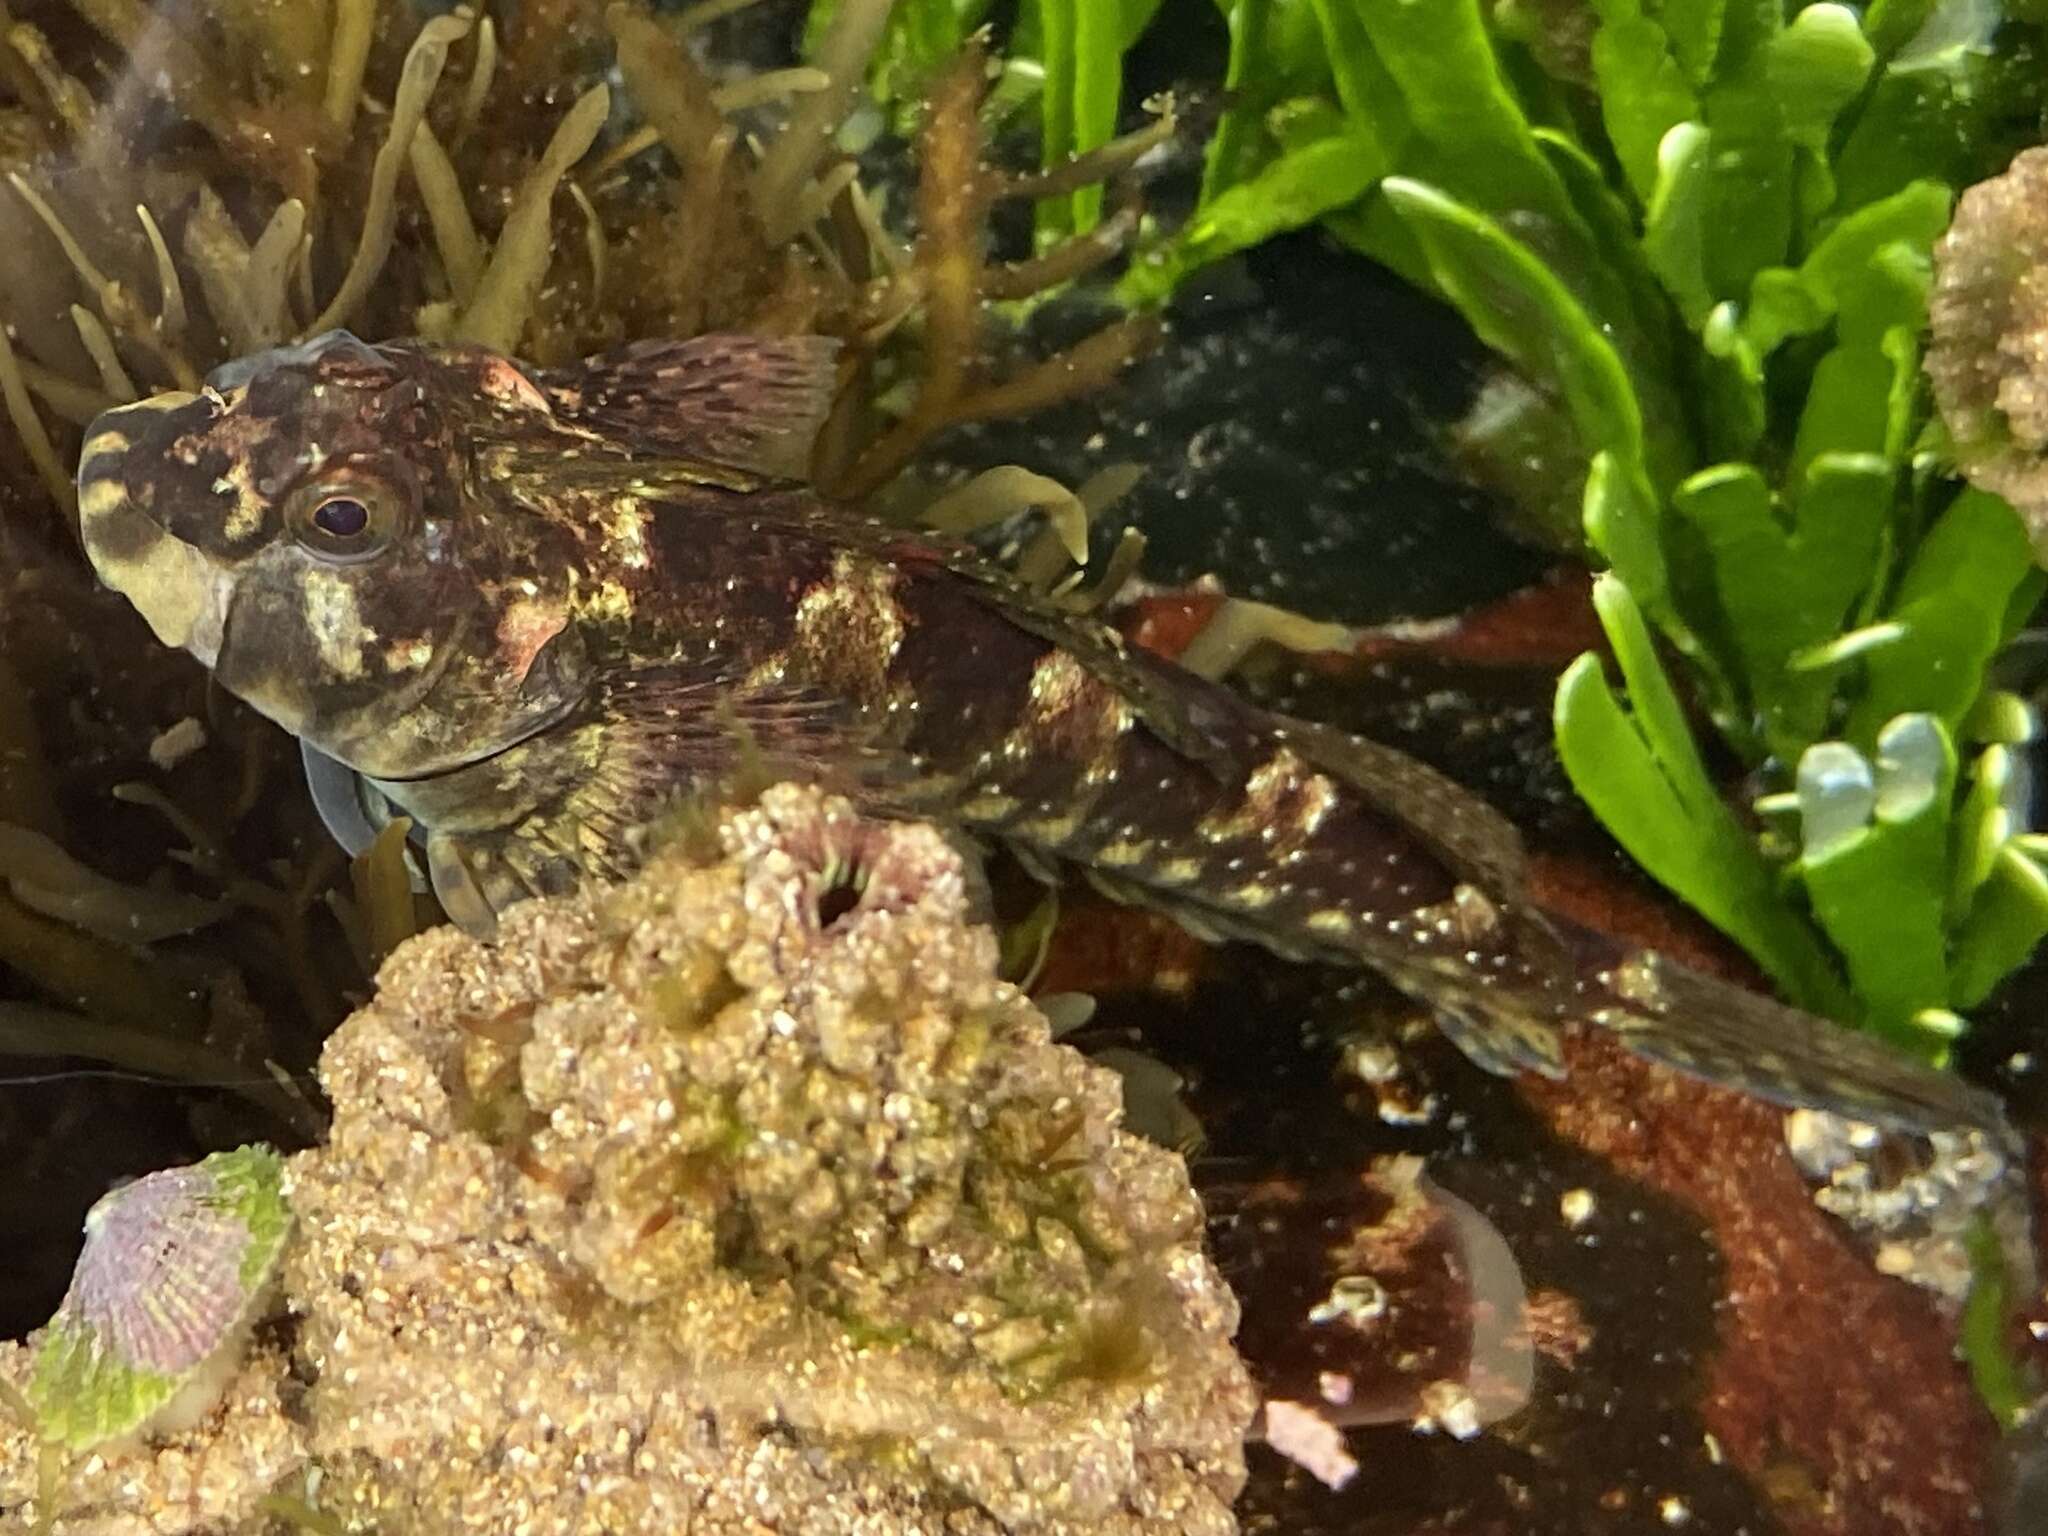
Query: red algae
pixel 1834 1388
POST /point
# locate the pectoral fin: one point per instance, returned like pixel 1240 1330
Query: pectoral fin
pixel 458 890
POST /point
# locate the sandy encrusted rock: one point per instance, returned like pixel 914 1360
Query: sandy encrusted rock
pixel 740 1197
pixel 1988 359
pixel 745 1193
pixel 210 1478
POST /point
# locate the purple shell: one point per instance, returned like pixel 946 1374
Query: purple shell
pixel 160 1275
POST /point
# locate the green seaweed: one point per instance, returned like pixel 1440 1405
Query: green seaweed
pixel 1701 234
pixel 1981 1330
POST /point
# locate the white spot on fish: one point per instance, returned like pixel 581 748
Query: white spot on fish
pixel 246 516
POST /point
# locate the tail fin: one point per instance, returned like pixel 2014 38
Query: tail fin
pixel 1727 1034
pixel 1664 1012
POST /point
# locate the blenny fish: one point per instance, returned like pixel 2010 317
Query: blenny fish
pixel 532 606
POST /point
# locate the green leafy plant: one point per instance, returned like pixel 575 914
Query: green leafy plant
pixel 1700 233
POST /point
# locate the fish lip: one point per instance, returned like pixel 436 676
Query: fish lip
pixel 196 621
pixel 210 633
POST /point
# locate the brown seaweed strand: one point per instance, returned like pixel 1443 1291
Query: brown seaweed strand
pixel 30 1029
pixel 1087 365
pixel 849 41
pixel 348 55
pixel 676 97
pixel 497 315
pixel 1097 165
pixel 1065 262
pixel 22 412
pixel 417 79
pixel 668 86
pixel 705 12
pixel 482 71
pixel 70 400
pixel 99 346
pixel 455 236
pixel 116 303
pixel 271 259
pixel 32 71
pixel 170 317
pixel 952 202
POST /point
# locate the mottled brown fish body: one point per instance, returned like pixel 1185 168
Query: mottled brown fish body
pixel 978 704
pixel 536 606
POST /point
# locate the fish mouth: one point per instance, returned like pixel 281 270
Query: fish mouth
pixel 341 792
pixel 540 726
pixel 178 589
pixel 181 594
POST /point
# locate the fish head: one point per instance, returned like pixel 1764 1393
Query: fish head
pixel 313 526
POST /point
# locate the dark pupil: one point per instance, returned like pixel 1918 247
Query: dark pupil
pixel 342 517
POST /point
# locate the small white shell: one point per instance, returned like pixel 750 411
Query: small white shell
pixel 173 1268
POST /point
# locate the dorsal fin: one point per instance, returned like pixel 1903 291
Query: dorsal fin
pixel 753 403
pixel 1468 834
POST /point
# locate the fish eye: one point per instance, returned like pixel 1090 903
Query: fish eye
pixel 344 519
pixel 341 517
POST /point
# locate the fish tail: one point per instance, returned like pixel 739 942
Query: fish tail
pixel 1739 1038
pixel 1321 846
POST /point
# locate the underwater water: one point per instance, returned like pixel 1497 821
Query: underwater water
pixel 802 1127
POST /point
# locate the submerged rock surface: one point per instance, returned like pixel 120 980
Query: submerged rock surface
pixel 741 1196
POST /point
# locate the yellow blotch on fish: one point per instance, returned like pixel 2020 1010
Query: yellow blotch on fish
pixel 335 622
pixel 850 627
pixel 246 516
pixel 1284 802
pixel 607 603
pixel 625 532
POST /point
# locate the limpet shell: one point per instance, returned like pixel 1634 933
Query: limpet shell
pixel 171 1276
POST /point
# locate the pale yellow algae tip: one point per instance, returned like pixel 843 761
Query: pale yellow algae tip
pixel 738 1198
